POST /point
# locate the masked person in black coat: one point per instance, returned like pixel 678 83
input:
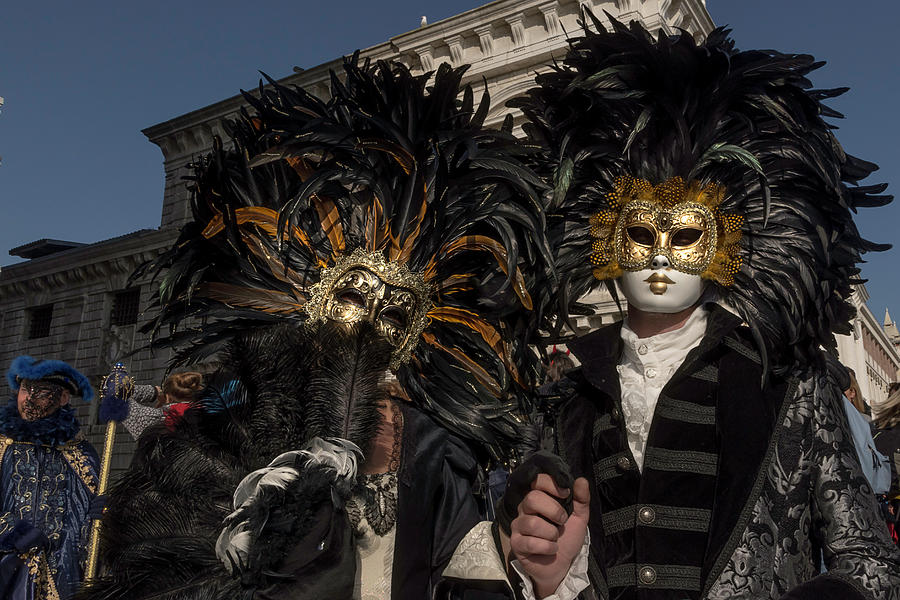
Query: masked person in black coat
pixel 356 262
pixel 703 449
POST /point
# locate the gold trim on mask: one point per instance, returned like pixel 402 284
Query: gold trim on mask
pixel 381 291
pixel 681 222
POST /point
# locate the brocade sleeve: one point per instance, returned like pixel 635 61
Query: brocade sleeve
pixel 860 557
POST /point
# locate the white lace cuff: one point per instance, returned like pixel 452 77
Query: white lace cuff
pixel 575 581
pixel 477 557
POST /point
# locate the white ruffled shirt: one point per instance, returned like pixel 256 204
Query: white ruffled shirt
pixel 646 366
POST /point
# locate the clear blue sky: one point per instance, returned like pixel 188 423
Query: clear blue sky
pixel 82 79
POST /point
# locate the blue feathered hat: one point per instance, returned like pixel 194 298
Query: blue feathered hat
pixel 55 371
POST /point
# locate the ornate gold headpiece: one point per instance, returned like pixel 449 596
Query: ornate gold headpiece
pixel 365 286
pixel 680 221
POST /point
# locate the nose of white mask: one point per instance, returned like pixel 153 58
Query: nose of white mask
pixel 661 288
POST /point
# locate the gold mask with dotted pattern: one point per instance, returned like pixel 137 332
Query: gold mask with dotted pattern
pixel 681 222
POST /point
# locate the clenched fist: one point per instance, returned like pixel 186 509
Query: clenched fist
pixel 545 515
pixel 544 538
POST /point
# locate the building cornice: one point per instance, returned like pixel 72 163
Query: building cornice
pixel 183 134
pixel 515 37
pixel 118 256
pixel 698 13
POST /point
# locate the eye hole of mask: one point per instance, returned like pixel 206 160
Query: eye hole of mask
pixel 394 316
pixel 352 297
pixel 641 235
pixel 41 392
pixel 686 237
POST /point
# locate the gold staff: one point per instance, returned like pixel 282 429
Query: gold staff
pixel 116 388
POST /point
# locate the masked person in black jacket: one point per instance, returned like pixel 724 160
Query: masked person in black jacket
pixel 702 443
pixel 357 263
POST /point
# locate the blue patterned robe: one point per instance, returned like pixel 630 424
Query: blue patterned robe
pixel 48 478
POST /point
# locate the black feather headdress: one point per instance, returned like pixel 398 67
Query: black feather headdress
pixel 396 171
pixel 625 106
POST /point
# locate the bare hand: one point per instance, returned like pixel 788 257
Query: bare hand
pixel 543 537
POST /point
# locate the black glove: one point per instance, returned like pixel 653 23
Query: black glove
pixel 519 484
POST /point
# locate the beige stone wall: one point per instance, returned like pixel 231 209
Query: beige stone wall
pixel 869 352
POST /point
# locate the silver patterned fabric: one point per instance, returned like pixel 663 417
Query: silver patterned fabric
pixel 140 415
pixel 811 487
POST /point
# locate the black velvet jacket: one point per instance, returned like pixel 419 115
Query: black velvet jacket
pixel 436 505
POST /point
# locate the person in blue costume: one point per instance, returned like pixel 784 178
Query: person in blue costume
pixel 49 477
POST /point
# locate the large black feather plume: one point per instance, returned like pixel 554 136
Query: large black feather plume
pixel 624 102
pixel 391 163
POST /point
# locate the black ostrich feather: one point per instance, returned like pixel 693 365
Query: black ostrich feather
pixel 277 389
pixel 343 390
pixel 624 102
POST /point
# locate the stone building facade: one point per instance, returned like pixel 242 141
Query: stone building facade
pixel 870 351
pixel 505 42
pixel 78 305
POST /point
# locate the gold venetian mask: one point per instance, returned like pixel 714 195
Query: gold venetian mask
pixel 685 234
pixel 365 287
pixel 678 221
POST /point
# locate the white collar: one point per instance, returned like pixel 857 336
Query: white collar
pixel 670 345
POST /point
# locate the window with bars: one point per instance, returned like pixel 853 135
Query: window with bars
pixel 41 317
pixel 126 305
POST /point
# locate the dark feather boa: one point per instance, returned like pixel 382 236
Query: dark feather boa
pixel 55 430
